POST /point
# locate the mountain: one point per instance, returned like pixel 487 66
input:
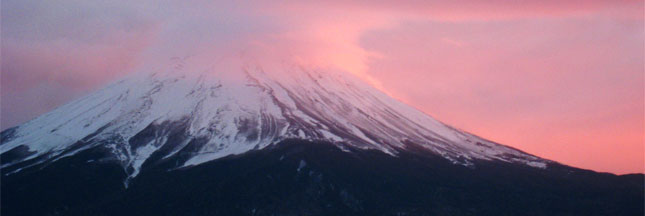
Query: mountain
pixel 242 139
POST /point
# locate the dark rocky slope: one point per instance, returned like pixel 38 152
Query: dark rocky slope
pixel 297 177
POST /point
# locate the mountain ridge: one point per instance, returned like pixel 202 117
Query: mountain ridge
pixel 231 111
pixel 245 139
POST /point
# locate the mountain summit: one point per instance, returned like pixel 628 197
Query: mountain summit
pixel 248 139
pixel 205 115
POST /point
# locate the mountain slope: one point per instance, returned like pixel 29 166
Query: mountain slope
pixel 296 177
pixel 206 114
pixel 240 139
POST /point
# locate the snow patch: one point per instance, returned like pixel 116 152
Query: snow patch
pixel 301 165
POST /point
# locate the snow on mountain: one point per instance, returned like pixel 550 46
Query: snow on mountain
pixel 211 113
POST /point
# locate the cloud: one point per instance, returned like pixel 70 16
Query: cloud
pixel 558 88
pixel 482 65
pixel 491 10
pixel 53 51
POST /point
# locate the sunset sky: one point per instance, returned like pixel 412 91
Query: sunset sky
pixel 563 80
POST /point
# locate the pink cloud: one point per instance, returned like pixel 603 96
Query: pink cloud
pixel 488 10
pixel 38 76
pixel 561 79
pixel 566 89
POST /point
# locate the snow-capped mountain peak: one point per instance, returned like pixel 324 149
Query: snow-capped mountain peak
pixel 207 113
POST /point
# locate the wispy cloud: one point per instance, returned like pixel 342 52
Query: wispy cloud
pixel 569 73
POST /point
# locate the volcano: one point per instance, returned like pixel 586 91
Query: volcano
pixel 243 139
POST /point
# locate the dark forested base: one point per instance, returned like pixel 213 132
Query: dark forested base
pixel 296 178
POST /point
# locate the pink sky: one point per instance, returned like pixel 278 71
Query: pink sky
pixel 559 79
